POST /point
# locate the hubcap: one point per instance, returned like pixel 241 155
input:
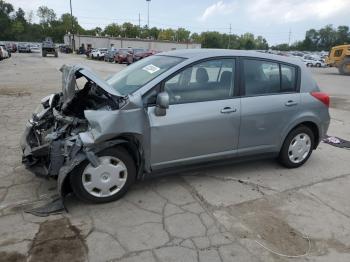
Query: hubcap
pixel 299 148
pixel 107 179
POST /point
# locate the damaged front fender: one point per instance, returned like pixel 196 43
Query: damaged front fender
pixel 80 154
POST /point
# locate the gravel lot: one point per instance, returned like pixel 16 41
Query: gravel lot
pixel 217 214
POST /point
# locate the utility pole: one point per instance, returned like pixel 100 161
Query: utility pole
pixel 229 39
pixel 148 1
pixel 139 25
pixel 72 29
pixel 289 36
pixel 139 20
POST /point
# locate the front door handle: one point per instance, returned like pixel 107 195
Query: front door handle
pixel 227 110
pixel 291 103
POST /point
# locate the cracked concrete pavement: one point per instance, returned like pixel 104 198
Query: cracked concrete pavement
pixel 225 213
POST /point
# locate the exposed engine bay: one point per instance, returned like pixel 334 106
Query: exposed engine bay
pixel 51 134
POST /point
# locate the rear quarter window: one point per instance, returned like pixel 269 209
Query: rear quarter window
pixel 268 77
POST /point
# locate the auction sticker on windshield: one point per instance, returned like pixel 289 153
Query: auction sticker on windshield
pixel 151 68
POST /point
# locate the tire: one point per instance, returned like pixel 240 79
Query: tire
pixel 343 67
pixel 318 65
pixel 56 54
pixel 77 176
pixel 286 154
pixel 129 60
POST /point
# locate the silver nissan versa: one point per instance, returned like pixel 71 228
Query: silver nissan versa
pixel 173 110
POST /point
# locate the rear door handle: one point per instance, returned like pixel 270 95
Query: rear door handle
pixel 291 103
pixel 227 110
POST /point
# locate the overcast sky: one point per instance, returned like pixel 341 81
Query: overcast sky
pixel 270 18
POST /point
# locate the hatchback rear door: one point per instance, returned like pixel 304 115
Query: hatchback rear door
pixel 270 101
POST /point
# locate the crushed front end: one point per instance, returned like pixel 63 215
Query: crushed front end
pixel 51 137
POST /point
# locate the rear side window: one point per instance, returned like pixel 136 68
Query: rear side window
pixel 288 78
pixel 265 77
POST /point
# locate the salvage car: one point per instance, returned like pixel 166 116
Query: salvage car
pixel 109 56
pixel 98 53
pixel 122 55
pixel 137 54
pixel 23 48
pixel 4 53
pixel 312 61
pixel 170 111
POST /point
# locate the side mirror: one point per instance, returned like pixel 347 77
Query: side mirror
pixel 162 104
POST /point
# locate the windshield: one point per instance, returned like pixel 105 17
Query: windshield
pixel 138 74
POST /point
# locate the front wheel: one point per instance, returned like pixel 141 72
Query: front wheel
pixel 297 147
pixel 106 182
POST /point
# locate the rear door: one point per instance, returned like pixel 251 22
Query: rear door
pixel 270 100
pixel 203 118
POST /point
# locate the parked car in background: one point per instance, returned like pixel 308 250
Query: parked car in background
pixel 88 52
pixel 23 48
pixel 65 49
pixel 4 53
pixel 122 55
pixel 137 54
pixel 109 56
pixel 313 61
pixel 98 53
pixel 34 48
pixel 11 47
pixel 174 110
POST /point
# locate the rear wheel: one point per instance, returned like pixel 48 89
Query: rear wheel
pixel 107 182
pixel 297 147
pixel 344 67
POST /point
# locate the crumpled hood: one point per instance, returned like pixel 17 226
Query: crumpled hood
pixel 71 73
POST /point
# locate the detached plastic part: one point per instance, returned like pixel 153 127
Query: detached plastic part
pixel 55 207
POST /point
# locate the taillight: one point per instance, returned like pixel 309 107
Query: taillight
pixel 323 97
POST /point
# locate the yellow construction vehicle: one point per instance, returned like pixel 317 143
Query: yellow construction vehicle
pixel 339 57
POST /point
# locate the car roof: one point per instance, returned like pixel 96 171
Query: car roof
pixel 209 53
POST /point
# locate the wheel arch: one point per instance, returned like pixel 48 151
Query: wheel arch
pixel 131 142
pixel 311 125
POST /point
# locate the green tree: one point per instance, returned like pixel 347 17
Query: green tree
pixel 195 37
pixel 328 37
pixel 46 15
pixel 167 34
pixel 211 40
pixel 247 41
pixel 5 22
pixel 112 30
pixel 182 35
pixel 343 35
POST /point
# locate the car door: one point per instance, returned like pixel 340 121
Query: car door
pixel 202 121
pixel 270 101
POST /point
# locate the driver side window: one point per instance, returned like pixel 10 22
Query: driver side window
pixel 205 81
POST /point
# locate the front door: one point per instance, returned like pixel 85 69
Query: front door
pixel 203 118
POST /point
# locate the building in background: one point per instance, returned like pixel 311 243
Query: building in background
pixel 117 42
